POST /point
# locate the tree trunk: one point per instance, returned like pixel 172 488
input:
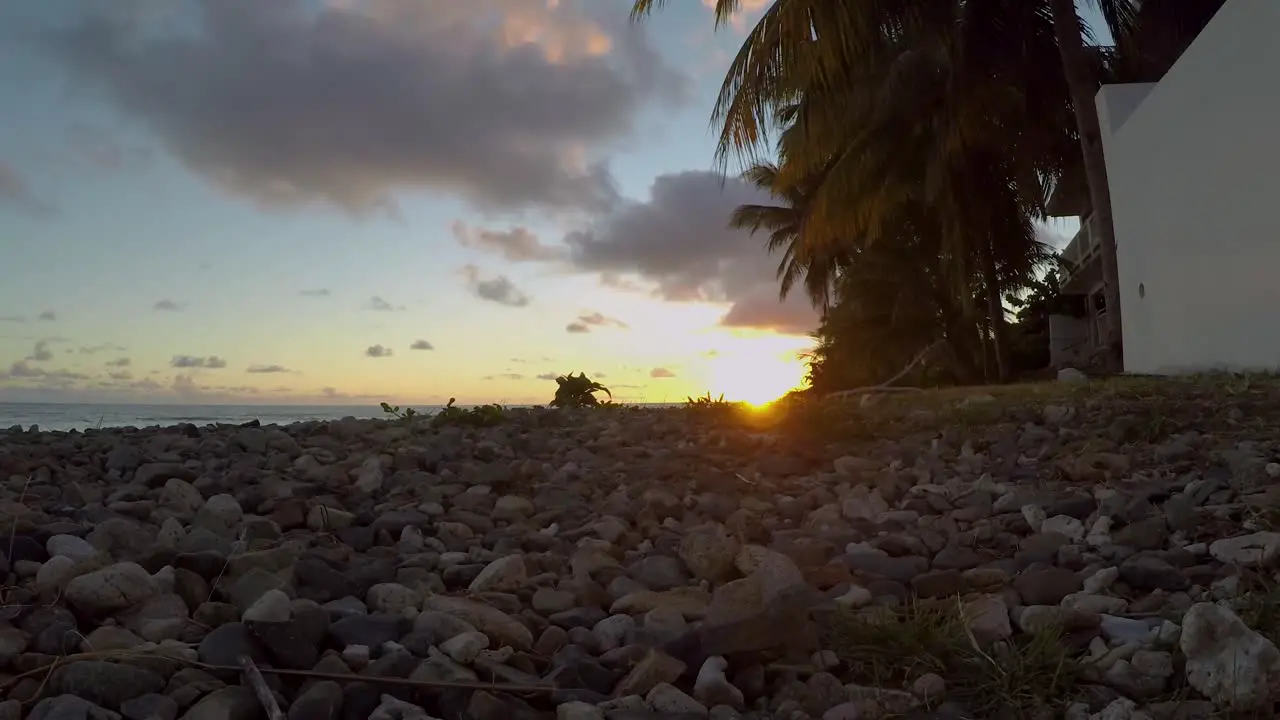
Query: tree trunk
pixel 1084 87
pixel 995 311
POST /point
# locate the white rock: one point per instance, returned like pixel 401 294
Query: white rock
pixel 929 687
pixel 1100 534
pixel 1100 580
pixel 54 574
pixel 181 496
pixel 70 546
pixel 392 709
pixel 667 698
pixel 987 618
pixel 369 476
pixel 1034 515
pixel 713 688
pixel 503 574
pixel 1227 662
pixel 356 656
pixel 273 606
pixel 111 589
pixel 326 519
pixel 220 514
pixel 578 710
pixel 855 597
pixel 466 647
pixel 1064 525
pixel 1072 375
pixel 393 599
pixel 1251 550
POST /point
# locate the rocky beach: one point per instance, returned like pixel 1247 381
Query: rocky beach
pixel 1101 550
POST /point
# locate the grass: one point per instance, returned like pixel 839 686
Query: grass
pixel 1019 678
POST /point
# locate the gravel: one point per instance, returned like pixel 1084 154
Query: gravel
pixel 1101 550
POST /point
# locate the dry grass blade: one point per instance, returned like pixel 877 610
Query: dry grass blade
pixel 260 689
pixel 46 671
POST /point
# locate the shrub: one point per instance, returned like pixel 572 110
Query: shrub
pixel 575 391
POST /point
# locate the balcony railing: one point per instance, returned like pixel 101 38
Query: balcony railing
pixel 1083 246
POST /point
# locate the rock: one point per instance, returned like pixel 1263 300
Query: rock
pixel 709 553
pixel 713 688
pixel 988 619
pixel 1260 548
pixel 1226 661
pixel 111 589
pixel 104 683
pixel 507 573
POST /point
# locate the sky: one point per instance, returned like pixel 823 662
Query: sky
pixel 349 201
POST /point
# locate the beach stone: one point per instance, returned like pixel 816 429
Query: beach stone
pixel 111 589
pixel 1227 662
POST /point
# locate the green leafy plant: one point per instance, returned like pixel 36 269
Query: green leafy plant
pixel 578 391
pixel 395 411
pixel 478 416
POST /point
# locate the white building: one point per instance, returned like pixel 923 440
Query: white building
pixel 1194 167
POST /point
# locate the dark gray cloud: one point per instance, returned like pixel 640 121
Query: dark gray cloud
pixel 421 345
pixel 318 292
pixel 519 244
pixel 16 193
pixel 267 369
pixel 23 370
pixel 170 305
pixel 661 372
pixel 679 241
pixel 211 362
pixel 120 362
pixel 41 352
pixel 120 375
pixel 101 347
pixel 584 323
pixel 286 103
pixel 15 319
pixel 47 316
pixel 377 351
pixel 497 289
pixel 377 304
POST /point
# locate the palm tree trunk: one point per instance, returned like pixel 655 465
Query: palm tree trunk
pixel 995 311
pixel 1084 86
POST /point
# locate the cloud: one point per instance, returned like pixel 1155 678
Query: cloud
pixel 16 319
pixel 47 316
pixel 267 369
pixel 679 242
pixel 22 370
pixel 16 193
pixel 517 244
pixel 120 375
pixel 421 345
pixel 497 289
pixel 212 362
pixel 661 372
pixel 584 323
pixel 120 362
pixel 318 292
pixel 377 351
pixel 505 376
pixel 377 304
pixel 547 376
pixel 101 347
pixel 41 352
pixel 170 305
pixel 350 103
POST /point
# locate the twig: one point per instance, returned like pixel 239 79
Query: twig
pixel 259 685
pixel 339 677
pixel 886 385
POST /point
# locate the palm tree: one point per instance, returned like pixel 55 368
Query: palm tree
pixel 826 51
pixel 785 224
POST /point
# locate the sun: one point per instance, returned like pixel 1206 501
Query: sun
pixel 754 378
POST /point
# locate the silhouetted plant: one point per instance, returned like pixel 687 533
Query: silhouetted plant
pixel 578 391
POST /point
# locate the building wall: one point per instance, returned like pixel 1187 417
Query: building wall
pixel 1194 165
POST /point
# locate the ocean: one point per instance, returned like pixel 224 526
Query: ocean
pixel 78 416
